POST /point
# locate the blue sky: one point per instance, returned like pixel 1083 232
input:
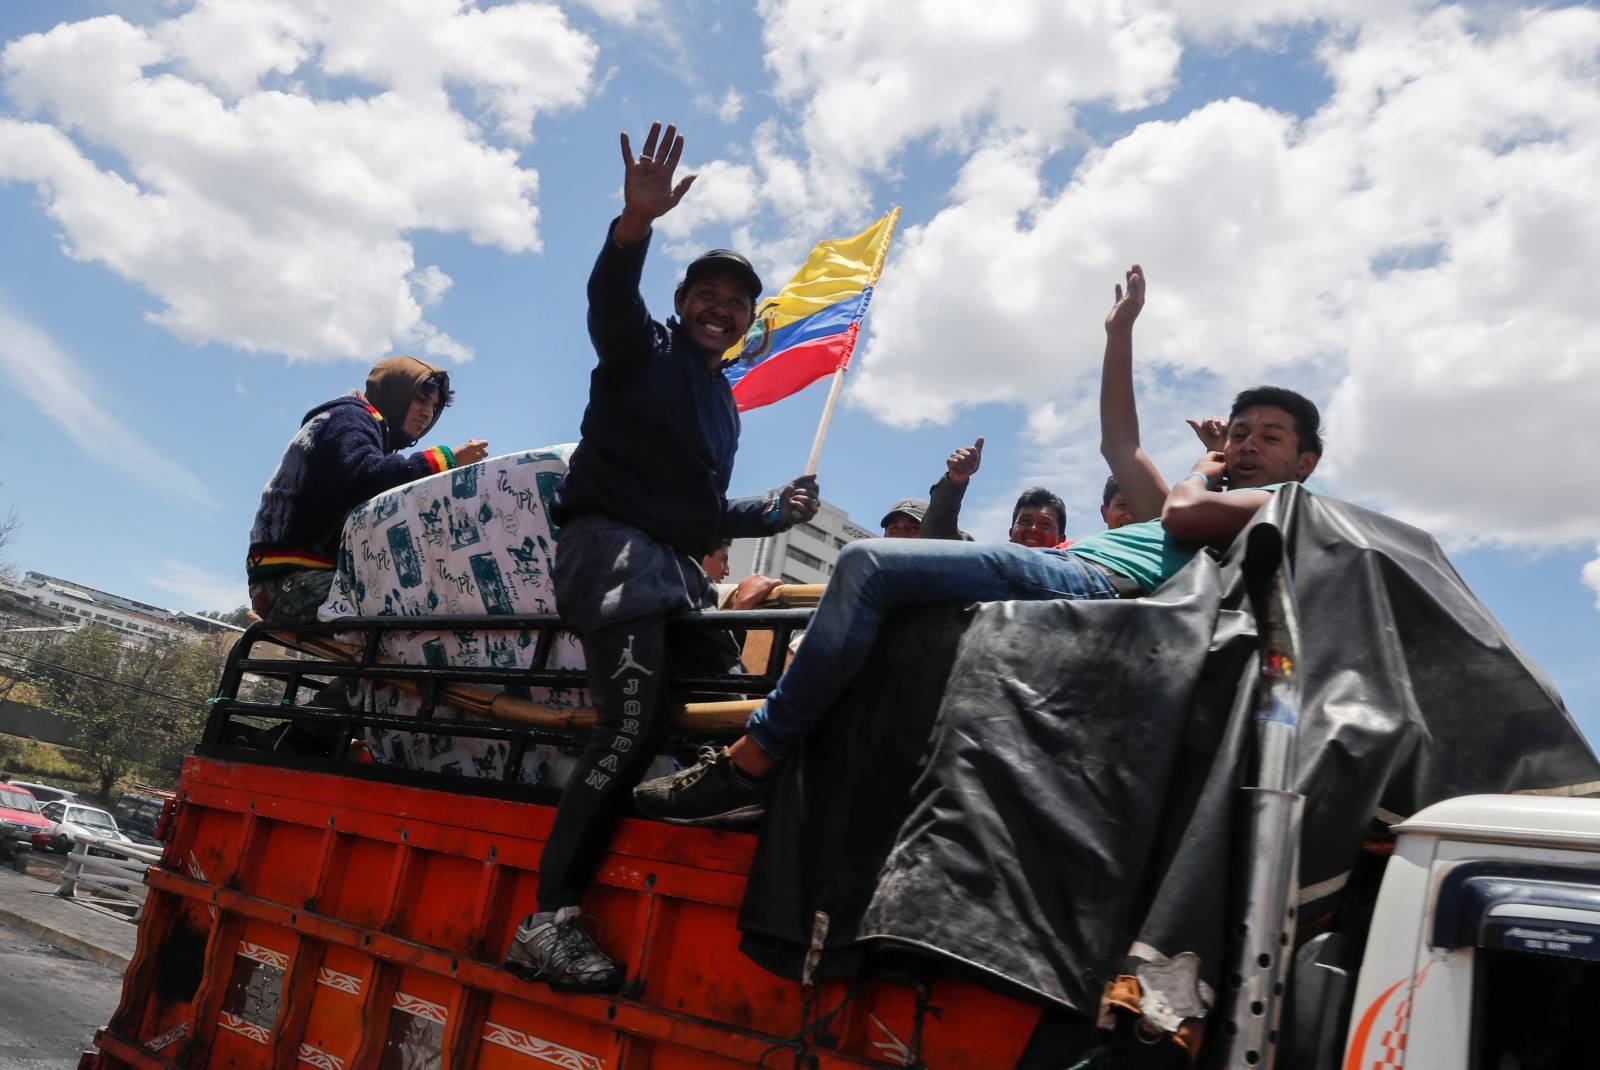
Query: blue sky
pixel 219 214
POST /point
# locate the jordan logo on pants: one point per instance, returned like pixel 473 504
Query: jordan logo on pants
pixel 627 662
pixel 628 732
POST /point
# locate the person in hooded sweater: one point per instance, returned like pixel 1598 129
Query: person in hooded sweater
pixel 346 451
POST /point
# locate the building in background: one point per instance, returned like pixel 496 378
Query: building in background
pixel 806 553
pixel 35 601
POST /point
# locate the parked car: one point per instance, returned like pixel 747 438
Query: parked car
pixel 71 823
pixel 19 820
pixel 137 814
pixel 44 793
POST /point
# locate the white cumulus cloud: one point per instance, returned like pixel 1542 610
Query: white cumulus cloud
pixel 1591 577
pixel 1417 255
pixel 192 157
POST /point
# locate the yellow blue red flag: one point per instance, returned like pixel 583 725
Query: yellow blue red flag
pixel 809 329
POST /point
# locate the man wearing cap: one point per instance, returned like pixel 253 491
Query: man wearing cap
pixel 904 519
pixel 1273 436
pixel 643 500
pixel 344 453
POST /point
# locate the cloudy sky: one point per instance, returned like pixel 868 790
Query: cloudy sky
pixel 217 214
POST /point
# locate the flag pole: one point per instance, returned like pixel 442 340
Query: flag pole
pixel 844 362
pixel 827 418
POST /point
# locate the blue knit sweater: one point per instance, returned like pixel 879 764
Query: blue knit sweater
pixel 340 458
pixel 661 429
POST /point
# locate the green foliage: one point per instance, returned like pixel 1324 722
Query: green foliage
pixel 32 759
pixel 239 618
pixel 128 705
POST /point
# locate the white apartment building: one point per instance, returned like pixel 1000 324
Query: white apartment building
pixel 74 605
pixel 804 554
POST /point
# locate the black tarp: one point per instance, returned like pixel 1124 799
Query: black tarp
pixel 1027 791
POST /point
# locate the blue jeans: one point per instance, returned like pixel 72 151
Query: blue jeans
pixel 875 576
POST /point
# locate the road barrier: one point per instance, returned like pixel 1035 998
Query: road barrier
pixel 116 874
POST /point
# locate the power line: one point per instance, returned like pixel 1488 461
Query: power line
pixel 101 679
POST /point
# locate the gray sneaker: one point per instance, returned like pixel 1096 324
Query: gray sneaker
pixel 552 947
pixel 711 791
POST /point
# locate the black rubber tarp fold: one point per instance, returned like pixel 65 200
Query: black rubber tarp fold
pixel 1031 792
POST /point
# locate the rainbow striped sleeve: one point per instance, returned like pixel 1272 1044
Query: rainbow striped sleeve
pixel 439 458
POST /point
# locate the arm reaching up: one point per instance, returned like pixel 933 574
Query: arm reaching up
pixel 619 324
pixel 943 519
pixel 1142 486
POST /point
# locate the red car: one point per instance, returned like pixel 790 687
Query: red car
pixel 20 819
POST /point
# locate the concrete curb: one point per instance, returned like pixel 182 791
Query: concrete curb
pixel 79 928
pixel 65 941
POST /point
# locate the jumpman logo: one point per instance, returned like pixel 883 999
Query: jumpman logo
pixel 627 662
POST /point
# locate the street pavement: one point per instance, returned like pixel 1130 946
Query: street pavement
pixel 50 1002
pixel 61 967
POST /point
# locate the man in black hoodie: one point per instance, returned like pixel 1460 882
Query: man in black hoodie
pixel 344 453
pixel 644 498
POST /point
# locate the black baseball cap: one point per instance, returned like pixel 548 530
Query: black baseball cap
pixel 915 508
pixel 725 260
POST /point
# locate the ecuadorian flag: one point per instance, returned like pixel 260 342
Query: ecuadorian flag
pixel 809 329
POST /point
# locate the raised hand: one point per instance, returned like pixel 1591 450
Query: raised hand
pixel 648 192
pixel 1212 433
pixel 964 461
pixel 1126 307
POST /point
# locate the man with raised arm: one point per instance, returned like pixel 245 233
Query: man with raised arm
pixel 643 500
pixel 1273 437
pixel 1038 518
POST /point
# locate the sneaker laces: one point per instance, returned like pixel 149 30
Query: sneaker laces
pixel 709 757
pixel 562 946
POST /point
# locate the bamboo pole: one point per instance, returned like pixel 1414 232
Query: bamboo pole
pixel 726 717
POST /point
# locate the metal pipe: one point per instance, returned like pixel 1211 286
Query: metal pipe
pixel 1264 936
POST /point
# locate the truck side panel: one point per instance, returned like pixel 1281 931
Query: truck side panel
pixel 302 919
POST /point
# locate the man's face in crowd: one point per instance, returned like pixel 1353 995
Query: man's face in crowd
pixel 902 526
pixel 424 407
pixel 1263 448
pixel 1118 513
pixel 716 310
pixel 1036 526
pixel 716 564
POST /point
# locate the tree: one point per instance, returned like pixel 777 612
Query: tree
pixel 239 618
pixel 15 668
pixel 127 704
pixel 8 531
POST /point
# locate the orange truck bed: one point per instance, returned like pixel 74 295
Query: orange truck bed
pixel 313 919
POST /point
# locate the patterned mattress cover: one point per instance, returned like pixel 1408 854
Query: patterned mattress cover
pixel 473 540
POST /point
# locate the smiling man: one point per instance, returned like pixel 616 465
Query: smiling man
pixel 643 501
pixel 1037 519
pixel 344 453
pixel 1273 437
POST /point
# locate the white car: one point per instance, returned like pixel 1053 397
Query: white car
pixel 72 823
pixel 46 792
